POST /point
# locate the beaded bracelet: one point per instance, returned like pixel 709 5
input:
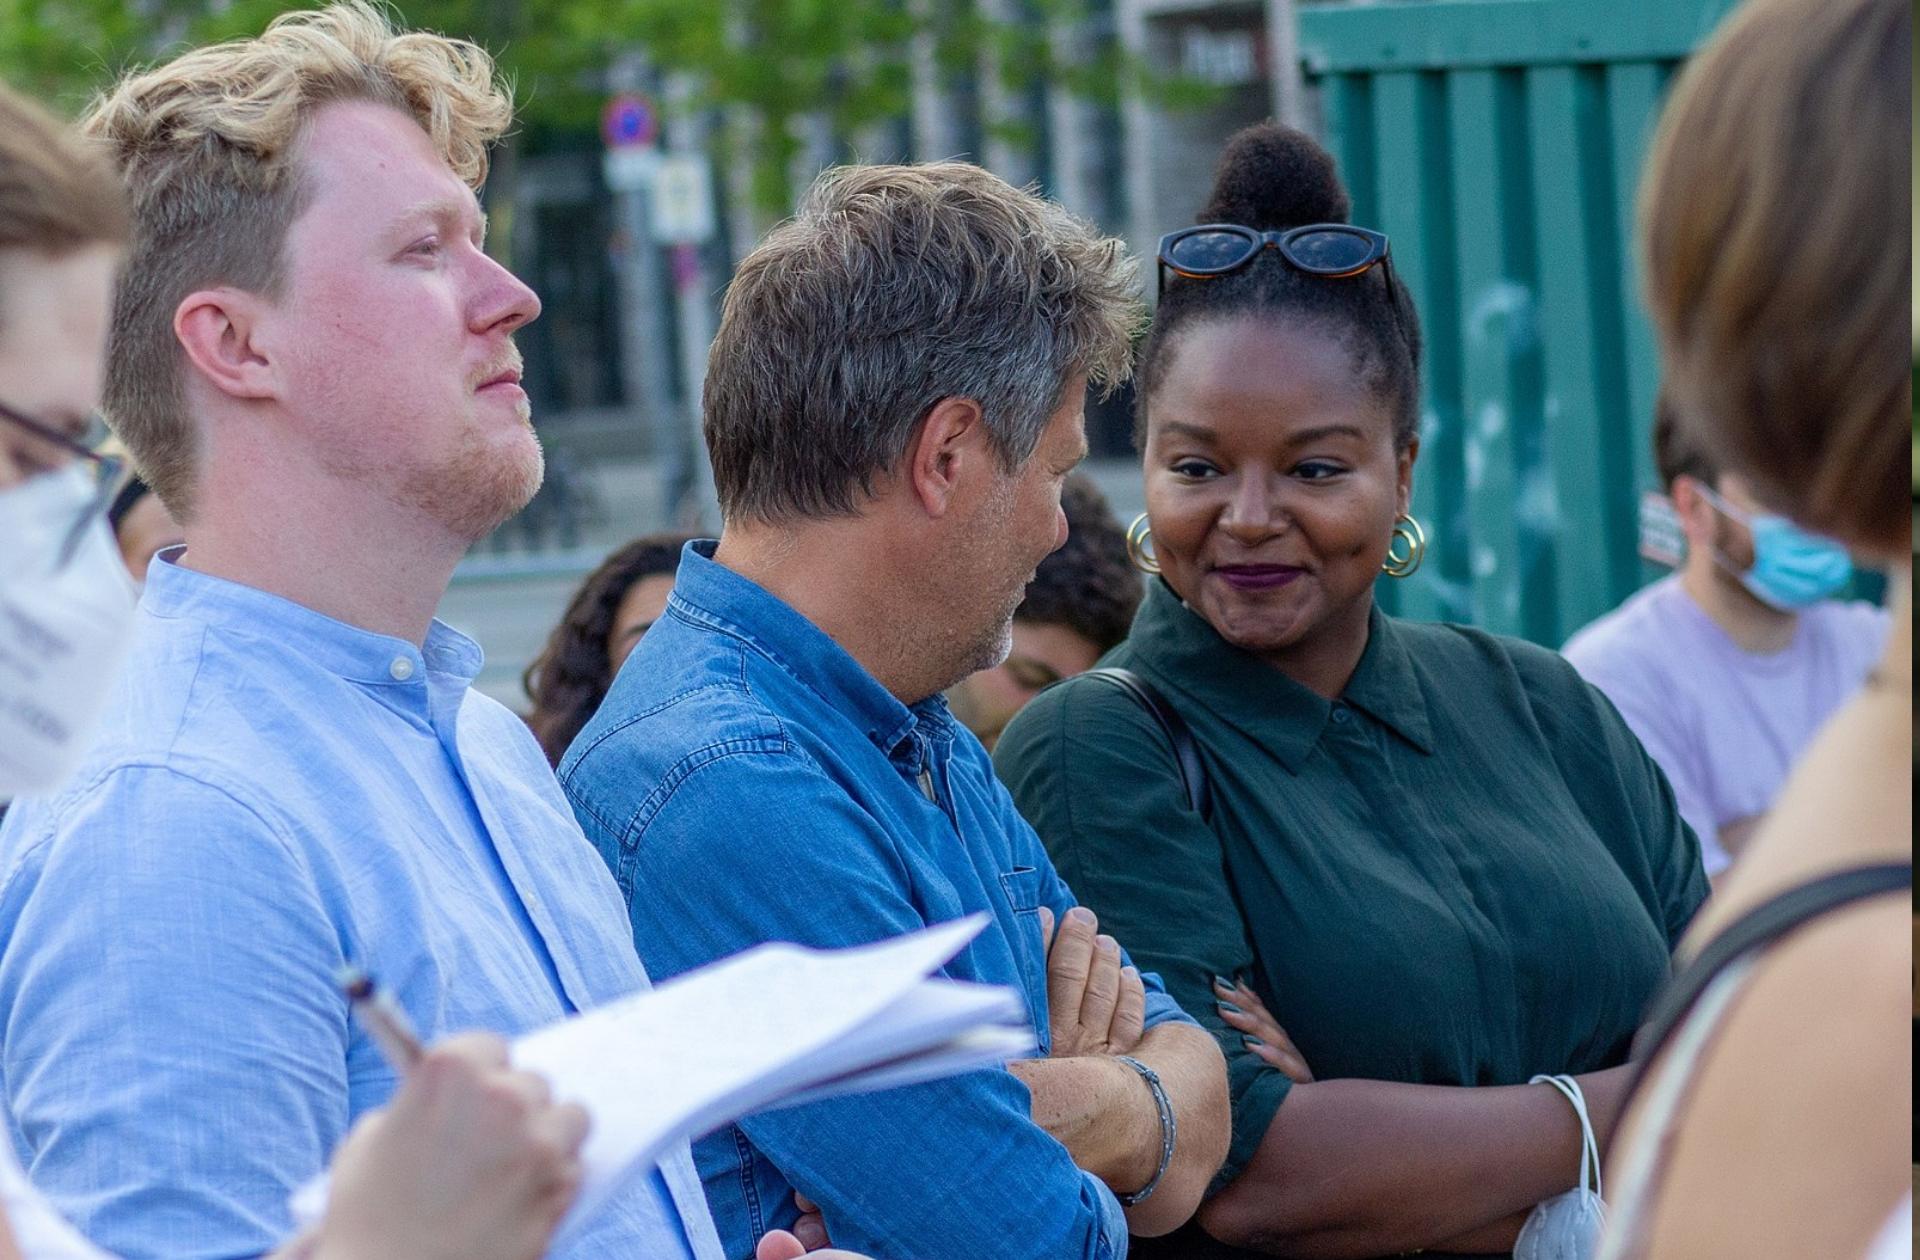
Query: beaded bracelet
pixel 1168 1128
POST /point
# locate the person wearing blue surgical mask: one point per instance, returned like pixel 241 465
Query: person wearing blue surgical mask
pixel 1728 667
pixel 1789 569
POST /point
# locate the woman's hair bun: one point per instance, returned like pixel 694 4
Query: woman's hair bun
pixel 1274 177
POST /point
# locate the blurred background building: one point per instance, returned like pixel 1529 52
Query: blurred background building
pixel 1497 142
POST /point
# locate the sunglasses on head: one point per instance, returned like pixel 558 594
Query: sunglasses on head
pixel 1335 251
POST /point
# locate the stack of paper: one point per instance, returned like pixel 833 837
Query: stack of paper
pixel 772 1027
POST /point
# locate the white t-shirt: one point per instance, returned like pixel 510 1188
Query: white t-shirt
pixel 1725 725
pixel 37 1228
pixel 1896 1238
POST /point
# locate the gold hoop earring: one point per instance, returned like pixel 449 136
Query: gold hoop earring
pixel 1406 549
pixel 1140 545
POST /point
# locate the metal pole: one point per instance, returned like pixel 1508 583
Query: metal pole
pixel 693 286
pixel 1283 62
pixel 645 351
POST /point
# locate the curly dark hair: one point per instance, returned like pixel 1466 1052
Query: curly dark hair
pixel 570 677
pixel 1272 178
pixel 1088 585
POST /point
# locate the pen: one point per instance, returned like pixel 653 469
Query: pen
pixel 382 1016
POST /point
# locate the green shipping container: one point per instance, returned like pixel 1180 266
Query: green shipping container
pixel 1499 144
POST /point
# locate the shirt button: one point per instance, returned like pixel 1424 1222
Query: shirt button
pixel 401 669
pixel 1340 712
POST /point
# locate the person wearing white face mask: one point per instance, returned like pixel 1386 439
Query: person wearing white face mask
pixel 466 1158
pixel 1727 669
pixel 66 603
pixel 471 1159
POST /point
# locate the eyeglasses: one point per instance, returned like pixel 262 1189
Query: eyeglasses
pixel 46 450
pixel 1334 251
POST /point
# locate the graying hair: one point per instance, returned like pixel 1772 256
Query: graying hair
pixel 892 288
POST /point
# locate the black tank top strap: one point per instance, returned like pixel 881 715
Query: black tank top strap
pixel 1758 928
pixel 1186 749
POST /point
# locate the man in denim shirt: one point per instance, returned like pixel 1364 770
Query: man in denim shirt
pixel 892 404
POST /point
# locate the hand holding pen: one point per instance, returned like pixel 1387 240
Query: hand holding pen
pixel 471 1159
pixel 383 1019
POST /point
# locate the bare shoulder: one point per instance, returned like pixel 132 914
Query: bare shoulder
pixel 1809 1082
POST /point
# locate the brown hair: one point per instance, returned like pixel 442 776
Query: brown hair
pixel 1676 447
pixel 570 677
pixel 1089 586
pixel 58 191
pixel 208 142
pixel 1777 258
pixel 892 288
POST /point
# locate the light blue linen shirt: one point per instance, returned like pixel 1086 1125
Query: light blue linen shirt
pixel 274 793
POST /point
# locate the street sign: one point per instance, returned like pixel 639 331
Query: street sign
pixel 682 209
pixel 630 168
pixel 629 121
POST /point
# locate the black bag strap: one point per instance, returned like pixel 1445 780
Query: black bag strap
pixel 1186 750
pixel 1753 931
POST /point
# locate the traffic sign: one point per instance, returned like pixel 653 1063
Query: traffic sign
pixel 682 210
pixel 629 121
pixel 630 168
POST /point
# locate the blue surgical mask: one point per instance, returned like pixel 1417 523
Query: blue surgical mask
pixel 1792 569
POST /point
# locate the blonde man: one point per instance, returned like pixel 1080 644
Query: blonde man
pixel 312 359
pixel 468 1161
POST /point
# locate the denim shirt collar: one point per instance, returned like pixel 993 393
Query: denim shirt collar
pixel 708 593
pixel 401 676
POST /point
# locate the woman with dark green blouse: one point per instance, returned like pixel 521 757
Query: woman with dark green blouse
pixel 1436 856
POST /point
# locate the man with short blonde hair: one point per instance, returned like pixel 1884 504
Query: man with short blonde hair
pixel 210 145
pixel 313 361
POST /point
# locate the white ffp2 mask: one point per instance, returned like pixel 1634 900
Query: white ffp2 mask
pixel 1568 1226
pixel 65 620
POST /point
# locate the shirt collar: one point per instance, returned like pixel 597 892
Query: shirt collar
pixel 1184 651
pixel 710 594
pixel 1387 687
pixel 359 656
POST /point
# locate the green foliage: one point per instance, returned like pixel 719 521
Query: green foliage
pixel 61 51
pixel 769 63
pixel 64 50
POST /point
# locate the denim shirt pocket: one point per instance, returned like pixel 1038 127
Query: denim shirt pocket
pixel 1022 886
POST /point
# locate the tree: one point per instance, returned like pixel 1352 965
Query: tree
pixel 769 64
pixel 63 51
pixel 772 64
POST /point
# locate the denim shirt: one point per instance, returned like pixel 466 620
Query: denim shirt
pixel 273 793
pixel 747 780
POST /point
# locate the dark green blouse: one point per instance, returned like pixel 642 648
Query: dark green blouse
pixel 1463 872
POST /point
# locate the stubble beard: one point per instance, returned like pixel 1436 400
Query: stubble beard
pixel 993 652
pixel 478 487
pixel 994 643
pixel 967 656
pixel 990 647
